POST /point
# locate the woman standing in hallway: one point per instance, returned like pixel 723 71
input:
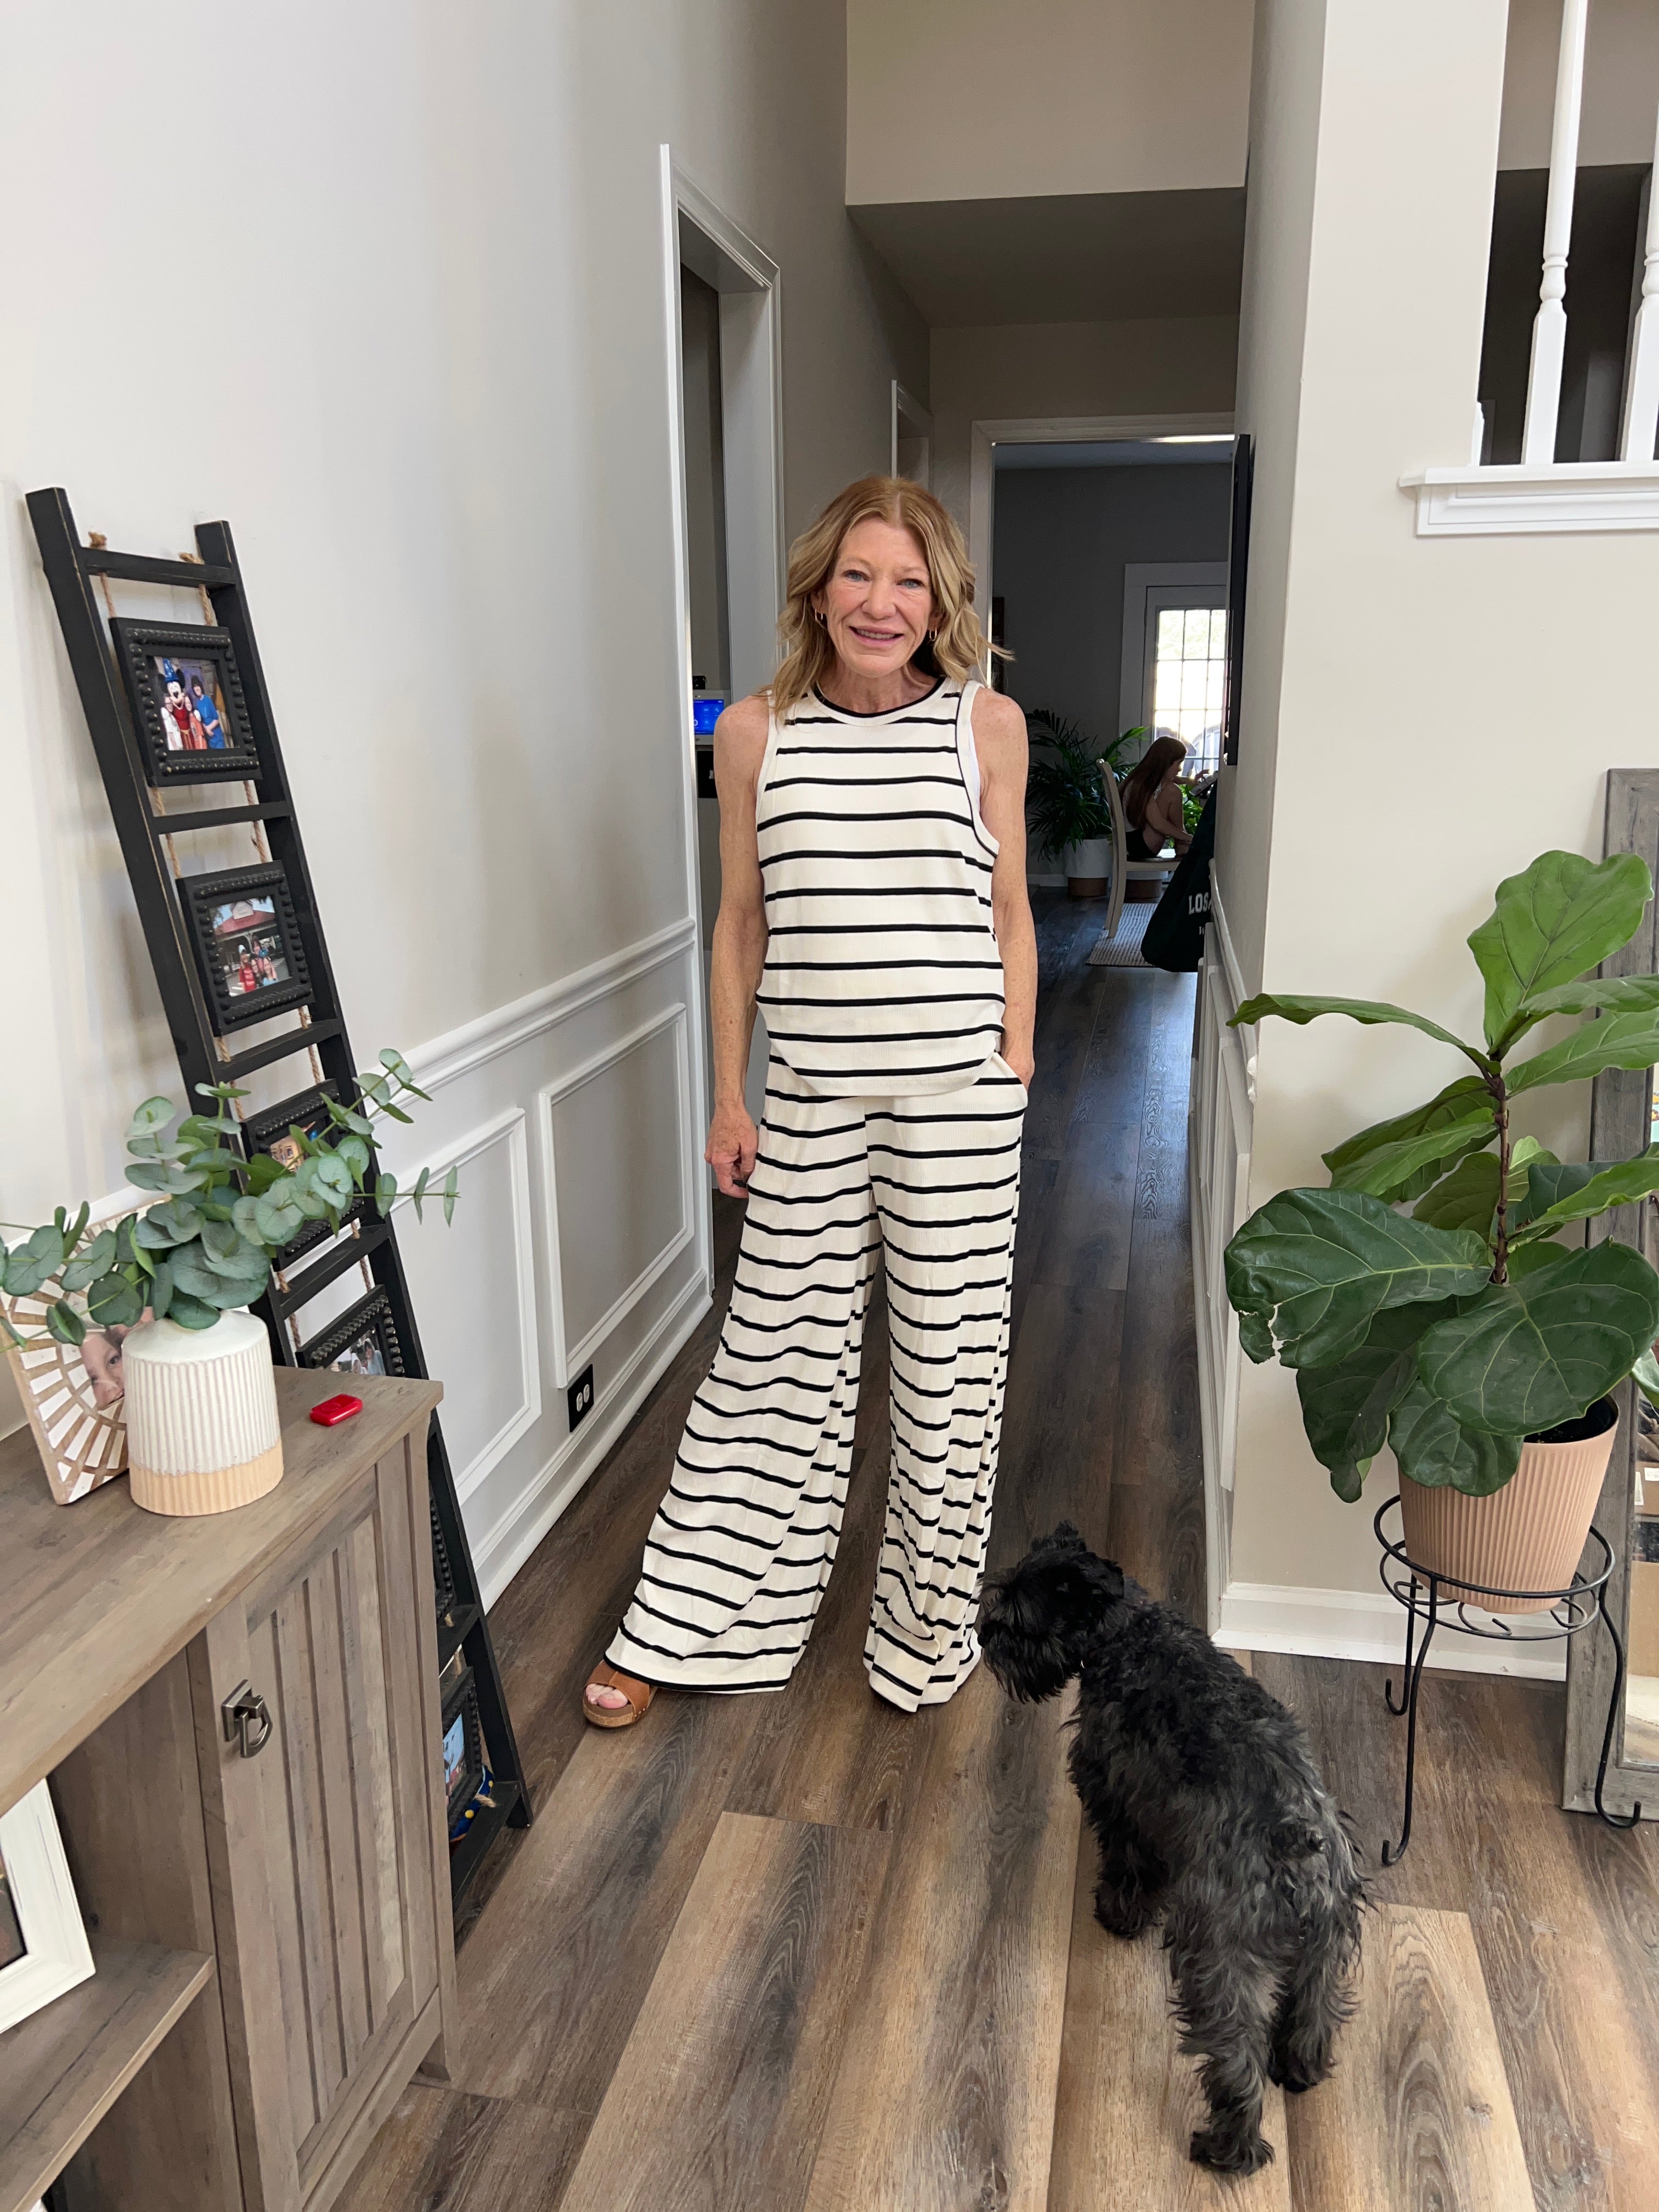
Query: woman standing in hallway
pixel 873 904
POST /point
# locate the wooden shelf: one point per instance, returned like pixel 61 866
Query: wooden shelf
pixel 63 2068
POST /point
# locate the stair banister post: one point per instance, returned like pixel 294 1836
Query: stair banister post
pixel 1641 431
pixel 1549 330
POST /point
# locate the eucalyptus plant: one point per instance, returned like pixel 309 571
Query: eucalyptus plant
pixel 218 1220
pixel 1065 802
pixel 1456 1329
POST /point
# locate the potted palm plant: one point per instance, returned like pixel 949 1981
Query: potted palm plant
pixel 1066 803
pixel 173 1283
pixel 1438 1296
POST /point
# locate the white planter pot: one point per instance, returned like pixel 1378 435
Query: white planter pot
pixel 1089 864
pixel 203 1434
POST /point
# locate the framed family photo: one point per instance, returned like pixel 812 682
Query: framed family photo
pixel 247 942
pixel 271 1131
pixel 43 1950
pixel 363 1341
pixel 187 702
pixel 463 1741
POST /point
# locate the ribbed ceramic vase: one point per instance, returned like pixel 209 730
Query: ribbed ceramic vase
pixel 1526 1536
pixel 203 1433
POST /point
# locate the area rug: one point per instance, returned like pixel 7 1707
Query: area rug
pixel 1123 950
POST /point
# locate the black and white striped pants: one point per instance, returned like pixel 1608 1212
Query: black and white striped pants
pixel 739 1554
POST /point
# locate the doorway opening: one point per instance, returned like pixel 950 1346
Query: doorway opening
pixel 1106 545
pixel 725 418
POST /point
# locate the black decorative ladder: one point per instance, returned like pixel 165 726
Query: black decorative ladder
pixel 146 834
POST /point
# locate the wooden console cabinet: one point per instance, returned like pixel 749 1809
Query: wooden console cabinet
pixel 267 1893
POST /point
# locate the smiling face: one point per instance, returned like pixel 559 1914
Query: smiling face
pixel 878 602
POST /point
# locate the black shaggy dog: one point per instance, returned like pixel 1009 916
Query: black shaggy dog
pixel 1210 1816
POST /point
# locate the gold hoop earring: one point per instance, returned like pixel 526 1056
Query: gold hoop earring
pixel 933 637
pixel 817 616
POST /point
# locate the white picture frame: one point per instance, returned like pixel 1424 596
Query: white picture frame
pixel 57 1955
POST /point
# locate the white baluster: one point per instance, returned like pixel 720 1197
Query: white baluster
pixel 1642 381
pixel 1549 330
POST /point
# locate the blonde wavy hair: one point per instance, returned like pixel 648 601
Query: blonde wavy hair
pixel 959 644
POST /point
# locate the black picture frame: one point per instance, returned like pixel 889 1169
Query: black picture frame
pixel 370 1320
pixel 268 1132
pixel 461 1741
pixel 226 747
pixel 270 933
pixel 1238 561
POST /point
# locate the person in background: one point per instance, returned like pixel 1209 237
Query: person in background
pixel 1151 800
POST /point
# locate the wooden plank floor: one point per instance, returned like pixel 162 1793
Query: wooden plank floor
pixel 805 1953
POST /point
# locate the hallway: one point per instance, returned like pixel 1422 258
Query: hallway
pixel 783 1954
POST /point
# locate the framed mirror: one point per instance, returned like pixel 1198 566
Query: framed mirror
pixel 1624 1122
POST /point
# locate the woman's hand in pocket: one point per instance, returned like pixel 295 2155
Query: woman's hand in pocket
pixel 1022 1063
pixel 732 1143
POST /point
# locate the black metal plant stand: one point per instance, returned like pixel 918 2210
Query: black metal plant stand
pixel 149 835
pixel 1421 1591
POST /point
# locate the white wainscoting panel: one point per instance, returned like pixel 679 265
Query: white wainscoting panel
pixel 473 1284
pixel 582 1232
pixel 1219 1126
pixel 618 1184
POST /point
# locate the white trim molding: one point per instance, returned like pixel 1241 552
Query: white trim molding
pixel 1363 1624
pixel 1563 496
pixel 509 1129
pixel 462 1049
pixel 569 1358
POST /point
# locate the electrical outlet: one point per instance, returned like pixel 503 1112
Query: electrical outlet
pixel 580 1396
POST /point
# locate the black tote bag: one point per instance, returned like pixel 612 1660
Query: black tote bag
pixel 1175 934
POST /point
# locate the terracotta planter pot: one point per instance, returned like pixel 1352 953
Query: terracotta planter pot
pixel 1528 1535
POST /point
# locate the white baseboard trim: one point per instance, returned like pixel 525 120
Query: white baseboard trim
pixel 1341 1624
pixel 501 1551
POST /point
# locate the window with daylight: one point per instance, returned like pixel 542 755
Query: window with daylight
pixel 1190 668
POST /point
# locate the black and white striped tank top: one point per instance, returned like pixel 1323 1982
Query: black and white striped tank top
pixel 882 978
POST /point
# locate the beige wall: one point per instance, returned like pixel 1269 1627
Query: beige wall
pixel 411 342
pixel 1622 82
pixel 1020 371
pixel 988 99
pixel 384 285
pixel 1445 708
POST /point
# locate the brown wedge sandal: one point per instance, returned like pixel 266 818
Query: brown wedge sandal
pixel 639 1696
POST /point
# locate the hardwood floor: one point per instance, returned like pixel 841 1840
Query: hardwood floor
pixel 795 1953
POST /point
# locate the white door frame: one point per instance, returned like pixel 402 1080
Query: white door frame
pixel 1142 579
pixel 910 419
pixel 695 231
pixel 1054 430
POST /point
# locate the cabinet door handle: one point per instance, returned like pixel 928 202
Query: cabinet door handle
pixel 246 1719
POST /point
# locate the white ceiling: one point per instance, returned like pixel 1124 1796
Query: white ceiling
pixel 1116 453
pixel 1078 257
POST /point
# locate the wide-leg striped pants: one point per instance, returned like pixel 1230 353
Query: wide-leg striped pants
pixel 739 1554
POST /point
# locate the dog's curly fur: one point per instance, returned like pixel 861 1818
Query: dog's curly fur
pixel 1210 1816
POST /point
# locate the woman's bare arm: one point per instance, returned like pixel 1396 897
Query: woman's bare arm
pixel 739 943
pixel 1000 741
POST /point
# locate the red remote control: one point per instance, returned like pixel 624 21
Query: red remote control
pixel 335 1409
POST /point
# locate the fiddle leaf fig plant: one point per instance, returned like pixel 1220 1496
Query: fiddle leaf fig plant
pixel 1427 1299
pixel 219 1220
